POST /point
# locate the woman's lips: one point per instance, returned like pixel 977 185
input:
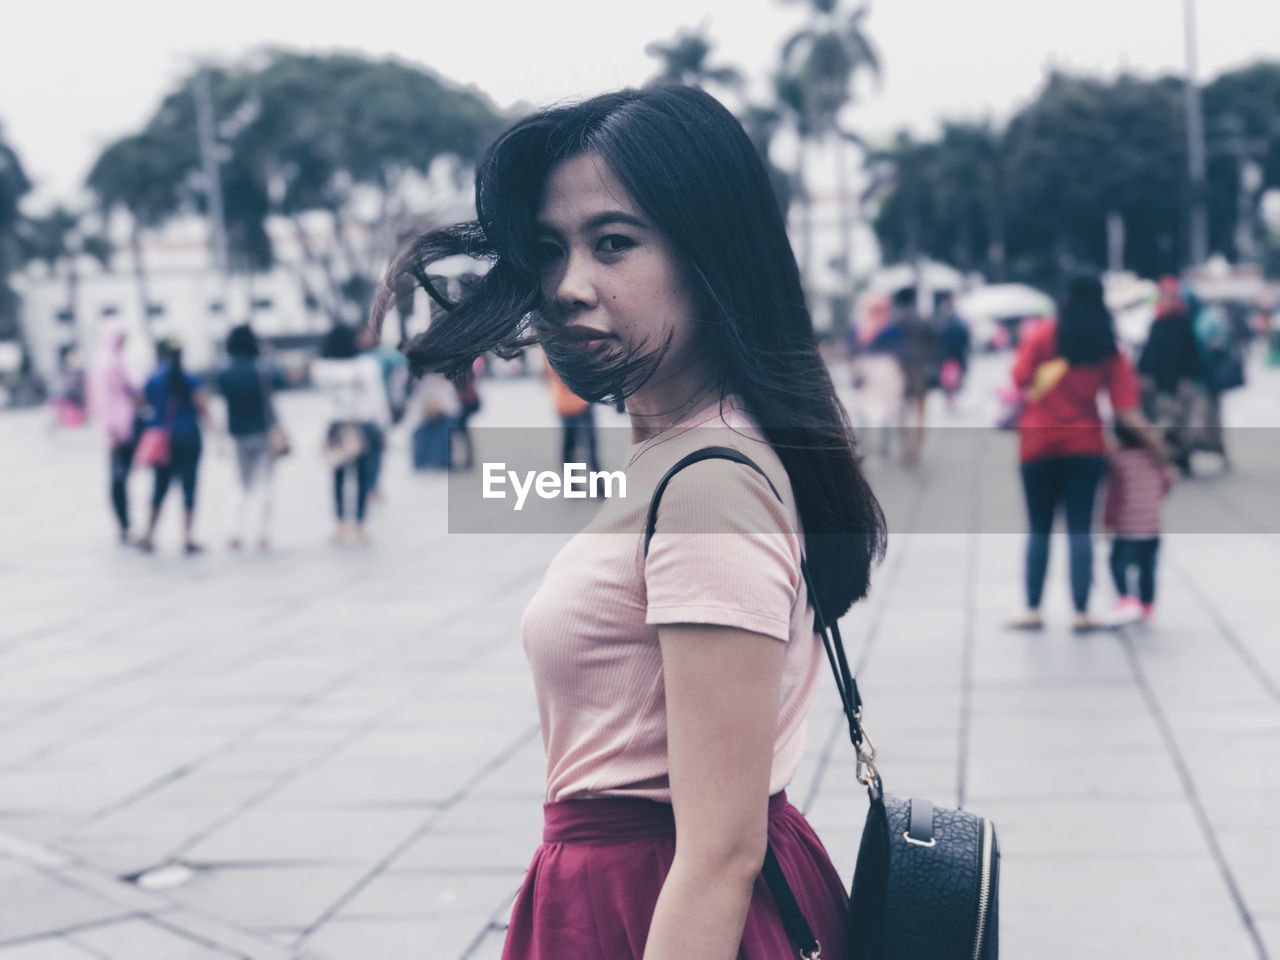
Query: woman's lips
pixel 585 336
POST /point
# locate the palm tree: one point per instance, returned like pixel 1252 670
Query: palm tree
pixel 820 64
pixel 684 60
pixel 139 174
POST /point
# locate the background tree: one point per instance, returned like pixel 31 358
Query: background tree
pixel 338 147
pixel 13 186
pixel 1033 200
pixel 683 59
pixel 820 64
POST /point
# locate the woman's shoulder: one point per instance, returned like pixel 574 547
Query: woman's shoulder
pixel 719 485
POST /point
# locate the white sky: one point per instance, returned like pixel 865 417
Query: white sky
pixel 74 74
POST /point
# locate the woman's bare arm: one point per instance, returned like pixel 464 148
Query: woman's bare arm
pixel 723 687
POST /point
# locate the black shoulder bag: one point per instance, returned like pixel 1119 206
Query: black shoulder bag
pixel 926 882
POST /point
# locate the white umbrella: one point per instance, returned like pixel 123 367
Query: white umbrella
pixel 1004 301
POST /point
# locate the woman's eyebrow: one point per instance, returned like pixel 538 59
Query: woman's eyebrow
pixel 596 221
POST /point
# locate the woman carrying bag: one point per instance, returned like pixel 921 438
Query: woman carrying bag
pixel 674 671
pixel 171 442
pixel 1062 366
pixel 358 414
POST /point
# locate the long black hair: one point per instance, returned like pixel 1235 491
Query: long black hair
pixel 687 163
pixel 1086 332
pixel 177 384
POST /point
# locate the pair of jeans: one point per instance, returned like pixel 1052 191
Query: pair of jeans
pixel 255 464
pixel 1126 554
pixel 579 432
pixel 121 463
pixel 364 469
pixel 1069 483
pixel 184 463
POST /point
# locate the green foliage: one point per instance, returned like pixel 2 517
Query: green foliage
pixel 297 133
pixel 683 59
pixel 1032 201
pixel 13 186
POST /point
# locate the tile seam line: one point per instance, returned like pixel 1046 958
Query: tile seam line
pixel 1192 794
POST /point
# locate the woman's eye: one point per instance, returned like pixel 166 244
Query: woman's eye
pixel 614 243
pixel 547 253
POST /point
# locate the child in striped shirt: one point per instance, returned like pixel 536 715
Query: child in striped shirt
pixel 1137 483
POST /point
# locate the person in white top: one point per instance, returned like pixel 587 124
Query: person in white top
pixel 358 413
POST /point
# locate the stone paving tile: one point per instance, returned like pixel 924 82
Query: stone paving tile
pixel 52 948
pixel 409 895
pixel 397 939
pixel 268 833
pixel 144 939
pixel 1171 906
pixel 34 903
pixel 258 897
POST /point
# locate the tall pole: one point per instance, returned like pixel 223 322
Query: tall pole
pixel 212 177
pixel 1198 225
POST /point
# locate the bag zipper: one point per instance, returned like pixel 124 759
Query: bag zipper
pixel 984 889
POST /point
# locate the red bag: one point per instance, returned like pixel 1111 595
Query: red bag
pixel 153 448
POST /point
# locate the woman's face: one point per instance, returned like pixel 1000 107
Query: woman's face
pixel 611 281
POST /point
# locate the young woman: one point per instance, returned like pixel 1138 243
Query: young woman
pixel 176 402
pixel 636 237
pixel 358 414
pixel 248 383
pixel 1063 366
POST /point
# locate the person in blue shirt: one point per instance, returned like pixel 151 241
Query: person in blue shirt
pixel 175 401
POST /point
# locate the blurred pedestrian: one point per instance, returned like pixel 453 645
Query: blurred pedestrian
pixel 917 351
pixel 1062 366
pixel 248 384
pixel 577 423
pixel 1169 366
pixel 394 370
pixel 953 348
pixel 358 413
pixel 468 389
pixel 1137 482
pixel 879 383
pixel 69 391
pixel 674 672
pixel 113 400
pixel 436 405
pixel 1222 363
pixel 176 408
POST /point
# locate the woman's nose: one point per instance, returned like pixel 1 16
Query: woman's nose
pixel 575 285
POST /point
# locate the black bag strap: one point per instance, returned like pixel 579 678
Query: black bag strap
pixel 850 699
pixel 793 919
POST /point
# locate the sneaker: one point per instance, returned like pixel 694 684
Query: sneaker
pixel 1148 612
pixel 1127 610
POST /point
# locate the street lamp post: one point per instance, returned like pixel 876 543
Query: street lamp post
pixel 1198 225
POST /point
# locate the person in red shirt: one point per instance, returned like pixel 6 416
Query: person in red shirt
pixel 1062 366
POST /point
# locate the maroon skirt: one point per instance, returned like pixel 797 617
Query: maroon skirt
pixel 593 884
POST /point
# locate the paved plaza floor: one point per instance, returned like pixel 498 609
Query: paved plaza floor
pixel 332 752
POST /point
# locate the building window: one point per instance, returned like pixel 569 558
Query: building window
pixel 110 310
pixel 216 306
pixel 263 303
pixel 65 316
pixel 155 309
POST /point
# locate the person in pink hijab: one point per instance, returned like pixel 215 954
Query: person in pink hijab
pixel 113 403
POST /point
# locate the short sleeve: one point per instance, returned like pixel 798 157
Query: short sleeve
pixel 724 552
pixel 1122 385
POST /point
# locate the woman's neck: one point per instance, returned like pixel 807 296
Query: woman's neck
pixel 654 411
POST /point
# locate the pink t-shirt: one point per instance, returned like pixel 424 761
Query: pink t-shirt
pixel 726 552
